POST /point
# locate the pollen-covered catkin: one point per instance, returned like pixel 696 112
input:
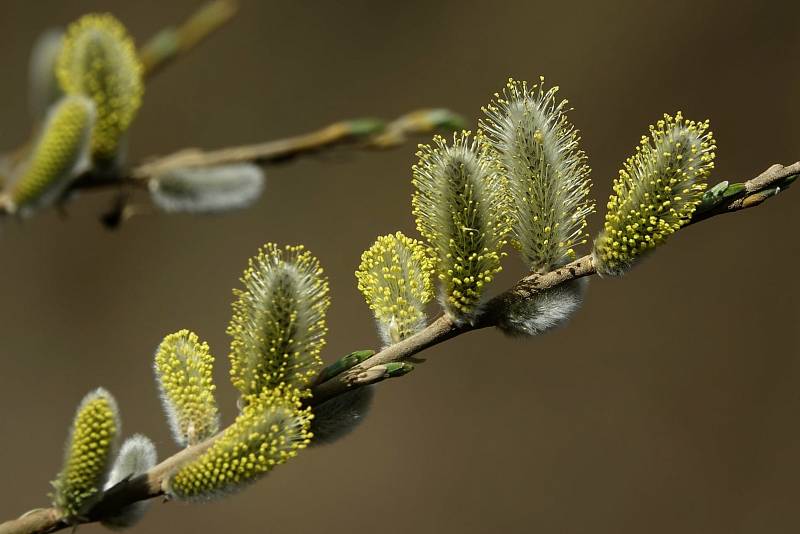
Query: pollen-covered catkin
pixel 183 367
pixel 271 429
pixel 656 193
pixel 98 59
pixel 59 155
pixel 278 325
pixel 395 279
pixel 89 450
pixel 461 208
pixel 547 172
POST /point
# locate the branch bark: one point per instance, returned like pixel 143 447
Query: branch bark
pixel 441 329
pixel 171 43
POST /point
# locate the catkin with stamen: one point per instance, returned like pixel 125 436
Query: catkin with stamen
pixel 656 193
pixel 278 325
pixel 270 430
pixel 90 448
pixel 547 172
pixel 59 155
pixel 98 59
pixel 460 206
pixel 395 279
pixel 183 367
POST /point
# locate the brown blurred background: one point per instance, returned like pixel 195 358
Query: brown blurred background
pixel 670 404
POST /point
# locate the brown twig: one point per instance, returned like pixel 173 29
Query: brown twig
pixel 443 328
pixel 171 43
pixel 363 133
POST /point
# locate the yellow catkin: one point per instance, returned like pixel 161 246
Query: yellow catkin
pixel 395 279
pixel 99 60
pixel 270 430
pixel 548 175
pixel 57 156
pixel 89 451
pixel 183 368
pixel 278 325
pixel 656 193
pixel 461 208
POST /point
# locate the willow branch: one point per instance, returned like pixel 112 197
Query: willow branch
pixel 359 134
pixel 364 133
pixel 171 43
pixel 151 485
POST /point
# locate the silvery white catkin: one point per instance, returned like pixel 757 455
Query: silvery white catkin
pixel 208 189
pixel 337 417
pixel 137 456
pixel 43 88
pixel 544 311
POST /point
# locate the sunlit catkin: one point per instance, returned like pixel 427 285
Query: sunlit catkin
pixel 98 59
pixel 461 209
pixel 271 429
pixel 183 368
pixel 656 192
pixel 278 324
pixel 59 155
pixel 547 173
pixel 89 451
pixel 395 279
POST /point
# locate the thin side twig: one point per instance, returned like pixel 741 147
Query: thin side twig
pixel 171 43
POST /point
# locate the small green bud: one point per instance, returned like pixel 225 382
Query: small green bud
pixel 383 371
pixel 343 364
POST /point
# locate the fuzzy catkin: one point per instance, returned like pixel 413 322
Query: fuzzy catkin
pixel 43 88
pixel 271 429
pixel 278 325
pixel 395 278
pixel 59 155
pixel 461 208
pixel 542 311
pixel 207 189
pixel 339 416
pixel 183 367
pixel 656 193
pixel 89 450
pixel 547 172
pixel 99 60
pixel 136 456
